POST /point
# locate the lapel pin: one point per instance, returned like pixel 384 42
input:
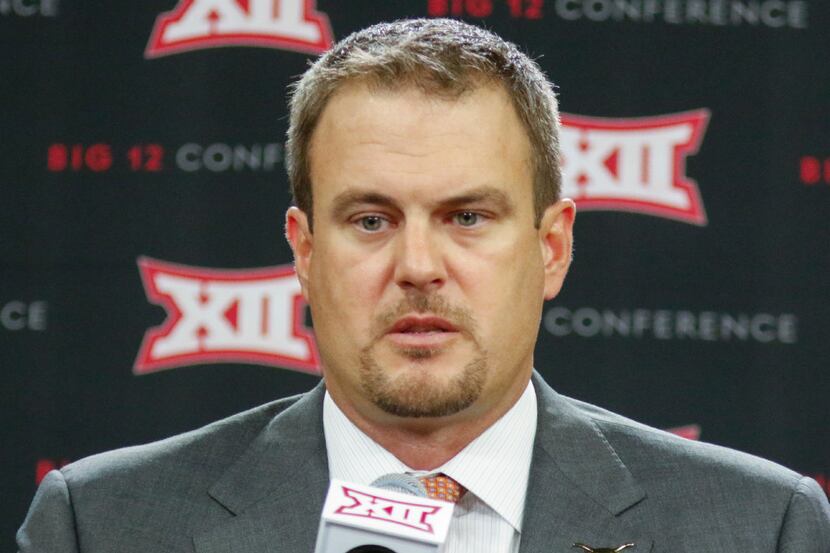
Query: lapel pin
pixel 603 549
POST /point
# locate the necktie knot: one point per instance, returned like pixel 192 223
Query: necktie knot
pixel 441 486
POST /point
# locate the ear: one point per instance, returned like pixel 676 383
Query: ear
pixel 556 240
pixel 299 237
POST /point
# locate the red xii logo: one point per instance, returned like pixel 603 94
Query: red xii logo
pixel 404 513
pixel 284 24
pixel 635 165
pixel 246 316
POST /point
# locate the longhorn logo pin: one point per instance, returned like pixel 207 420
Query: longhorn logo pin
pixel 602 549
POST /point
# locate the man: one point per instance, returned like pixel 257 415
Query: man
pixel 427 232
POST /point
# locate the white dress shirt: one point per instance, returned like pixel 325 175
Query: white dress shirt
pixel 494 468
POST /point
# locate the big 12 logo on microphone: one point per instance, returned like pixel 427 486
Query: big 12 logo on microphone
pixel 355 515
pixel 284 24
pixel 411 514
pixel 219 315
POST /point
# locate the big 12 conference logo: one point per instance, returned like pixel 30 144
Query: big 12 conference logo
pixel 284 24
pixel 635 164
pixel 219 315
pixel 406 513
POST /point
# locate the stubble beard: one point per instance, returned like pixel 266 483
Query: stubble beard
pixel 417 393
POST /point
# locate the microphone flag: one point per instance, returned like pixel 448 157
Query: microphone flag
pixel 365 518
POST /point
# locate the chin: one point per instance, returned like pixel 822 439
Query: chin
pixel 421 388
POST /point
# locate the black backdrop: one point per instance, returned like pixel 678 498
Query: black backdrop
pixel 699 293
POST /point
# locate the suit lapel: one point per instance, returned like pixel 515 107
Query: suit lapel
pixel 579 489
pixel 277 487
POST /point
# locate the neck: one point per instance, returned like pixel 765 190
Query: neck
pixel 427 443
pixel 423 450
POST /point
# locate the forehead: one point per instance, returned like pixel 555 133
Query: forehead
pixel 405 141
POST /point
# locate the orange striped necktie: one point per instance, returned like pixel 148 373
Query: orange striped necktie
pixel 441 486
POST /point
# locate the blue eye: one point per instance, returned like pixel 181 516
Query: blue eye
pixel 467 218
pixel 371 223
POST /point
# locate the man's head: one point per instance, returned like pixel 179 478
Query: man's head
pixel 441 57
pixel 429 259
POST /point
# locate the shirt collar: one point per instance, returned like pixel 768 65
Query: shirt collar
pixel 495 466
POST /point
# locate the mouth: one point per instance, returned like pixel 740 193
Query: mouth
pixel 422 325
pixel 422 332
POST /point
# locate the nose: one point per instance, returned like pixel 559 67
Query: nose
pixel 419 263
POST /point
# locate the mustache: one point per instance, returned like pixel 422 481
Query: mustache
pixel 435 305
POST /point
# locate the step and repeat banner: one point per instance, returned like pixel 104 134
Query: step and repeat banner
pixel 146 287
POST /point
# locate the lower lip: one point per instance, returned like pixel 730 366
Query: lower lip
pixel 421 339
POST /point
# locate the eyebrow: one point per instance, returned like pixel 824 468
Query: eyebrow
pixel 484 194
pixel 347 200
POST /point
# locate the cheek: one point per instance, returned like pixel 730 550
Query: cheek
pixel 503 270
pixel 505 291
pixel 363 277
pixel 344 290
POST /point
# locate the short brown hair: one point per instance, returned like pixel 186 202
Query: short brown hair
pixel 443 57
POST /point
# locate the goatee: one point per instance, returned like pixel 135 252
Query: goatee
pixel 416 392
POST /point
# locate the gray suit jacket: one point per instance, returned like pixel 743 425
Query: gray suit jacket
pixel 256 482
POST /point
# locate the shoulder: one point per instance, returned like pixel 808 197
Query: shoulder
pixel 146 497
pixel 709 486
pixel 693 495
pixel 709 489
pixel 655 456
pixel 210 449
pixel 657 459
